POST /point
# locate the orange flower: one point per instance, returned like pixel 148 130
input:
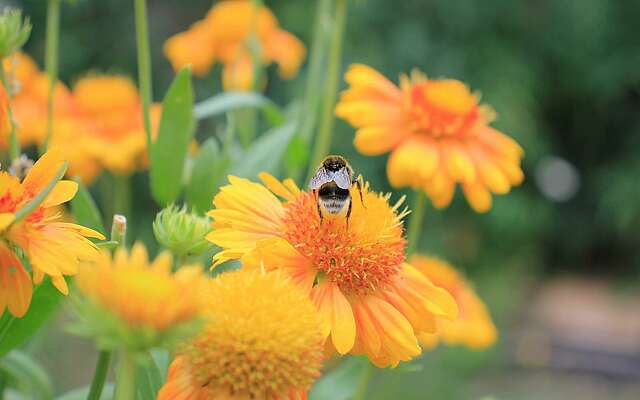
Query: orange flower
pixel 223 36
pixel 52 247
pixel 371 301
pixel 437 132
pixel 473 327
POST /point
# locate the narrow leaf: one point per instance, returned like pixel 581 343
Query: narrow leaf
pixel 27 374
pixel 227 101
pixel 82 393
pixel 85 210
pixel 175 132
pixel 148 377
pixel 208 166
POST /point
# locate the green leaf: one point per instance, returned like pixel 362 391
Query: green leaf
pixel 342 382
pixel 227 101
pixel 85 210
pixel 82 393
pixel 175 132
pixel 35 202
pixel 148 377
pixel 27 375
pixel 15 331
pixel 208 167
pixel 266 153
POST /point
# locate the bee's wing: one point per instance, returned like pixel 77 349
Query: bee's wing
pixel 342 178
pixel 321 177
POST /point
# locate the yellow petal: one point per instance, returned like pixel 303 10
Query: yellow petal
pixel 5 220
pixel 378 139
pixel 43 171
pixel 343 324
pixel 478 197
pixel 62 192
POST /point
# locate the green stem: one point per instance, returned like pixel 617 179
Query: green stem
pixel 415 221
pixel 126 377
pixel 144 65
pixel 361 392
pixel 51 63
pixel 100 375
pixel 14 144
pixel 323 140
pixel 122 194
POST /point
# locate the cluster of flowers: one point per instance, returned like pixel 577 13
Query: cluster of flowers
pixel 308 288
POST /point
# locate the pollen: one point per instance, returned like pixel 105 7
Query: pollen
pixel 263 341
pixel 361 254
pixel 443 107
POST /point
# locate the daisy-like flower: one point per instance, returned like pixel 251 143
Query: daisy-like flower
pixel 52 247
pixel 474 327
pixel 262 341
pixel 145 302
pixel 370 300
pixel 437 132
pixel 223 36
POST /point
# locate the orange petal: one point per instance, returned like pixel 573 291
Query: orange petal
pixel 378 139
pixel 360 75
pixel 478 197
pixel 15 284
pixel 43 171
pixel 459 164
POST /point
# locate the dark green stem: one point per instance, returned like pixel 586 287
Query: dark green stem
pixel 415 221
pixel 100 375
pixel 144 65
pixel 51 63
pixel 323 140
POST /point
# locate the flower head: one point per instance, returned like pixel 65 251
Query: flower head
pixel 140 297
pixel 437 132
pixel 224 36
pixel 370 300
pixel 473 327
pixel 52 247
pixel 263 341
pixel 181 231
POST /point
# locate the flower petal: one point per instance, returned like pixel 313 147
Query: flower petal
pixel 62 192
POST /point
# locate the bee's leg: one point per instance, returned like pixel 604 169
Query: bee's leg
pixel 349 212
pixel 359 185
pixel 315 193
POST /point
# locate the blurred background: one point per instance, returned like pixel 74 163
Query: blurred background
pixel 557 260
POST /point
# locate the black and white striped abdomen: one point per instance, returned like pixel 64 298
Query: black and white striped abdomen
pixel 333 199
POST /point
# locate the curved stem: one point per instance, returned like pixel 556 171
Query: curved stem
pixel 323 140
pixel 144 65
pixel 100 375
pixel 126 377
pixel 51 63
pixel 415 222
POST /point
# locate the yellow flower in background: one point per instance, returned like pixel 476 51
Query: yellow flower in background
pixel 223 36
pixel 474 327
pixel 53 247
pixel 262 340
pixel 141 293
pixel 437 132
pixel 370 300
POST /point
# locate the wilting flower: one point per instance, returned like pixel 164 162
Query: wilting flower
pixel 473 327
pixel 181 231
pixel 136 303
pixel 370 300
pixel 438 133
pixel 52 247
pixel 263 340
pixel 224 35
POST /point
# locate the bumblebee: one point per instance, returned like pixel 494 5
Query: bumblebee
pixel 331 184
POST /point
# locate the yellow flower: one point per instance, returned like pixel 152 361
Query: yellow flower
pixel 223 36
pixel 473 327
pixel 141 293
pixel 52 247
pixel 437 133
pixel 263 341
pixel 371 301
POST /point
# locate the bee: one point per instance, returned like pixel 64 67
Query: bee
pixel 331 184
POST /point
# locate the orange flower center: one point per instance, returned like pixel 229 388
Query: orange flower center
pixel 16 196
pixel 356 264
pixel 443 107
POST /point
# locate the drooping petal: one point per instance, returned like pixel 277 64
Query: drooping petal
pixel 15 284
pixel 478 197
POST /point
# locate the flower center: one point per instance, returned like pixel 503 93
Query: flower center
pixel 442 107
pixel 359 257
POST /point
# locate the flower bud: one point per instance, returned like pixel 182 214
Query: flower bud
pixel 14 31
pixel 181 231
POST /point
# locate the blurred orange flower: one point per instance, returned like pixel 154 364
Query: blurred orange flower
pixel 52 247
pixel 371 301
pixel 473 327
pixel 224 34
pixel 437 132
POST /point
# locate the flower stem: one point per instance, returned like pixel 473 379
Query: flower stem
pixel 100 375
pixel 361 392
pixel 415 222
pixel 144 65
pixel 323 140
pixel 14 144
pixel 126 377
pixel 122 194
pixel 51 63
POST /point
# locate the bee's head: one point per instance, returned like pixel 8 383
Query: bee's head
pixel 334 163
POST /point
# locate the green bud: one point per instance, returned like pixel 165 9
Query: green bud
pixel 14 31
pixel 181 231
